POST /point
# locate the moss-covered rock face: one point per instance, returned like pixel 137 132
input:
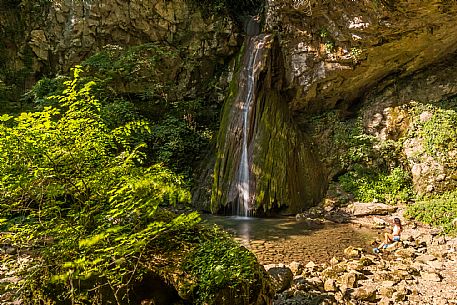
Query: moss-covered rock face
pixel 335 50
pixel 283 170
pixel 420 113
pixel 206 266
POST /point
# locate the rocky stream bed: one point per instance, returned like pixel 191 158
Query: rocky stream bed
pixel 421 269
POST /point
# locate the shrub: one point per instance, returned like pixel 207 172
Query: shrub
pixel 436 210
pixel 75 197
pixel 220 262
pixel 367 186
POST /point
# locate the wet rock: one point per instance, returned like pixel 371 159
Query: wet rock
pixel 352 252
pixel 281 276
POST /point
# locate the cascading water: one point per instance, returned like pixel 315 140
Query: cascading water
pixel 254 49
pixel 264 163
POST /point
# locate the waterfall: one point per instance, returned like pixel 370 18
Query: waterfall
pixel 264 163
pixel 253 58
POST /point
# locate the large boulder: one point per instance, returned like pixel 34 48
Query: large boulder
pixel 373 208
pixel 280 275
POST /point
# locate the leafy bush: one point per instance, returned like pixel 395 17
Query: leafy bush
pixel 75 197
pixel 437 210
pixel 439 131
pixel 45 88
pixel 371 169
pixel 367 186
pixel 218 263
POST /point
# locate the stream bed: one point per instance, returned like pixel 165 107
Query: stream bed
pixel 283 240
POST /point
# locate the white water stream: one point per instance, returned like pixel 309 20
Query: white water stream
pixel 255 45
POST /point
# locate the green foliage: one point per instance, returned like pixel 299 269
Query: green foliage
pixel 129 64
pixel 372 169
pixel 218 263
pixel 367 186
pixel 328 40
pixel 44 89
pixel 356 54
pixel 439 131
pixel 75 197
pixel 182 124
pixel 175 141
pixel 436 210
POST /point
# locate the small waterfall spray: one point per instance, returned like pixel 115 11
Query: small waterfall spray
pixel 243 185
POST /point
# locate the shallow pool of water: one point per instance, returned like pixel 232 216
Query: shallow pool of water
pixel 283 240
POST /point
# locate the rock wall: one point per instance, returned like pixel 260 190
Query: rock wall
pixel 57 34
pixel 364 59
pixel 334 51
pixel 402 111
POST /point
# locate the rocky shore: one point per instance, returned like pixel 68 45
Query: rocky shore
pixel 421 269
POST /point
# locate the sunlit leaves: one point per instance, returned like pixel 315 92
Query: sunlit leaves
pixel 74 193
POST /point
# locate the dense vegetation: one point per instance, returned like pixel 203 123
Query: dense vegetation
pixel 86 207
pixel 74 195
pixel 437 128
pixel 372 168
pixel 438 210
pixel 369 169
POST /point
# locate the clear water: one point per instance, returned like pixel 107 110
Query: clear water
pixel 283 240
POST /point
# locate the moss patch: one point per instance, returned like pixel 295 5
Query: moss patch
pixel 218 263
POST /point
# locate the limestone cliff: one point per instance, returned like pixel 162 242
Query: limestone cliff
pixel 334 51
pixel 51 36
pixel 365 59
